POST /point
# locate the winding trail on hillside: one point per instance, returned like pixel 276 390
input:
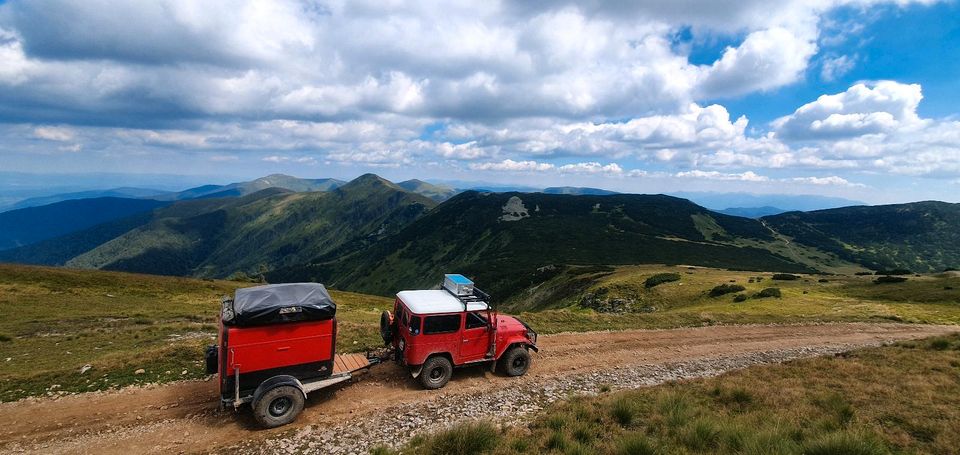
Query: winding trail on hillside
pixel 785 240
pixel 385 407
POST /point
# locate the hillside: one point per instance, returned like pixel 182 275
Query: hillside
pixel 261 231
pixel 920 236
pixel 282 181
pixel 59 250
pixel 623 291
pixel 508 241
pixel 438 193
pixel 125 192
pixel 58 320
pixel 34 224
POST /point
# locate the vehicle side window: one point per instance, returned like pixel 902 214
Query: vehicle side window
pixel 441 324
pixel 414 325
pixel 475 320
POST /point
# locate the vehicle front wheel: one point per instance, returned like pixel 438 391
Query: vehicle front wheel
pixel 436 372
pixel 279 406
pixel 516 361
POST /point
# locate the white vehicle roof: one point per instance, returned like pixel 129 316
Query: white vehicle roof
pixel 436 301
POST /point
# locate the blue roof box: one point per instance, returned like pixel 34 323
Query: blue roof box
pixel 458 284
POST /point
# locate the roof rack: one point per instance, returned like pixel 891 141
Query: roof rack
pixel 477 296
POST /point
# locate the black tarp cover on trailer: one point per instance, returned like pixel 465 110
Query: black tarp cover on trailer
pixel 278 303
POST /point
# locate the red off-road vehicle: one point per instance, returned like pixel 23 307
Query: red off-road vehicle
pixel 433 331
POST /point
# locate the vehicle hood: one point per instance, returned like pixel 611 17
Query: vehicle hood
pixel 509 323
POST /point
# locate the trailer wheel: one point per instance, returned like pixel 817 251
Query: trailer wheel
pixel 436 372
pixel 278 406
pixel 387 327
pixel 516 361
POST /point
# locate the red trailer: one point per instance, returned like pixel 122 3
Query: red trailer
pixel 276 344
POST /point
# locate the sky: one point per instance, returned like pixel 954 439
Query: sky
pixel 848 98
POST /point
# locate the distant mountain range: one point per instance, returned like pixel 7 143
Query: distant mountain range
pixel 737 204
pixel 34 224
pixel 372 235
pixel 752 212
pixel 244 188
pixel 438 193
pixel 758 203
pixel 129 193
pixel 577 190
pixel 270 228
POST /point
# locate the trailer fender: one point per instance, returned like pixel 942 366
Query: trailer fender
pixel 277 381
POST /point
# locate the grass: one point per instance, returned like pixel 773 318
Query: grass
pixel 903 398
pixel 932 299
pixel 468 439
pixel 57 321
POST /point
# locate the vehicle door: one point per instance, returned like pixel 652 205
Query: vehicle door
pixel 440 334
pixel 475 339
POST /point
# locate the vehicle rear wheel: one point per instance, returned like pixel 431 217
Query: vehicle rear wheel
pixel 436 372
pixel 278 406
pixel 516 361
pixel 387 327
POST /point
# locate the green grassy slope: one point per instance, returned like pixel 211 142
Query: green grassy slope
pixel 56 321
pixel 895 399
pixel 264 230
pixel 506 240
pixel 921 236
pixel 618 297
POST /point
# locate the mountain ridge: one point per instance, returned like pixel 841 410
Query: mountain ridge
pixel 270 228
pixel 506 239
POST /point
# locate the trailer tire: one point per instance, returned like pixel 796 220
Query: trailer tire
pixel 388 327
pixel 278 406
pixel 516 361
pixel 436 372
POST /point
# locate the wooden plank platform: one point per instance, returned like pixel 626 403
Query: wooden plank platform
pixel 344 363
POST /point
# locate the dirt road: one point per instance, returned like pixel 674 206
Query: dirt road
pixel 182 417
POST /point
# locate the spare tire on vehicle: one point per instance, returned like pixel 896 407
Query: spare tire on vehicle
pixel 388 327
